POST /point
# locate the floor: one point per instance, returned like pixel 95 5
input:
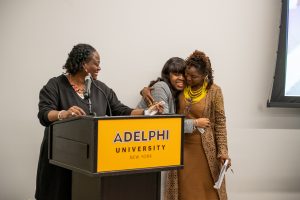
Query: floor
pixel 264 196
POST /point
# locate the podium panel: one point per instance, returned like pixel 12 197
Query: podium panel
pixel 138 144
pixel 115 158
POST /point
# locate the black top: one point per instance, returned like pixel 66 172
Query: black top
pixel 58 94
pixel 53 182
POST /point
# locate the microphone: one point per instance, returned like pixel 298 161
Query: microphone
pixel 87 92
pixel 87 83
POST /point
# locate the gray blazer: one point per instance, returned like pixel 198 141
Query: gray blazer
pixel 162 92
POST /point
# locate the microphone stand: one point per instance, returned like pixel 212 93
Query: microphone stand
pixel 108 104
pixel 90 107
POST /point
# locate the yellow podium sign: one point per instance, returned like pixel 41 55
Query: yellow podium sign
pixel 138 143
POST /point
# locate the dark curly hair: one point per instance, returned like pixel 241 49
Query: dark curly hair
pixel 201 62
pixel 80 54
pixel 173 65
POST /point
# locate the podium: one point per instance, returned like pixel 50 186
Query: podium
pixel 117 158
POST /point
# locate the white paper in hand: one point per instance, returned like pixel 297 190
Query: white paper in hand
pixel 150 112
pixel 221 175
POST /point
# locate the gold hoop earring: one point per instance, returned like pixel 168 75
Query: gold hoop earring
pixel 206 78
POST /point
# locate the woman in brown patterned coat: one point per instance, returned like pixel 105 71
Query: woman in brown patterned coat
pixel 205 150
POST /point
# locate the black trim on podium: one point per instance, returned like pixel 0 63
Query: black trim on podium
pixel 73 145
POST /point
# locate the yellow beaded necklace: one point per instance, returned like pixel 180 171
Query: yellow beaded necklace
pixel 195 96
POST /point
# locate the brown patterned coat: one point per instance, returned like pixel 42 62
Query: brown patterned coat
pixel 214 141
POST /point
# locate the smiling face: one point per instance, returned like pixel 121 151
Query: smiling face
pixel 194 78
pixel 177 81
pixel 93 65
pixel 173 73
pixel 198 70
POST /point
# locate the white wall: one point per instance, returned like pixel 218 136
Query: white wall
pixel 135 38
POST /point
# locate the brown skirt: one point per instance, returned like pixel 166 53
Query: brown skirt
pixel 195 180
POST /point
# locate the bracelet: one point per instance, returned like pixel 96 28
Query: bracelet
pixel 59 115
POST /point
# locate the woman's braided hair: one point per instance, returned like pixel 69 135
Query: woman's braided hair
pixel 201 62
pixel 80 54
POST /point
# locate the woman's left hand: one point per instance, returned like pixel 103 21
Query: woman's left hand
pixel 146 93
pixel 159 107
pixel 155 108
pixel 223 158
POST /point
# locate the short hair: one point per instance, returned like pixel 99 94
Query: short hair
pixel 79 55
pixel 201 62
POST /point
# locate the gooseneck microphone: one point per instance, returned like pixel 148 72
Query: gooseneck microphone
pixel 108 104
pixel 87 83
pixel 87 92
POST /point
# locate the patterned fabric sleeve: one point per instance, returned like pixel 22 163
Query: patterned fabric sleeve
pixel 220 124
pixel 171 187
